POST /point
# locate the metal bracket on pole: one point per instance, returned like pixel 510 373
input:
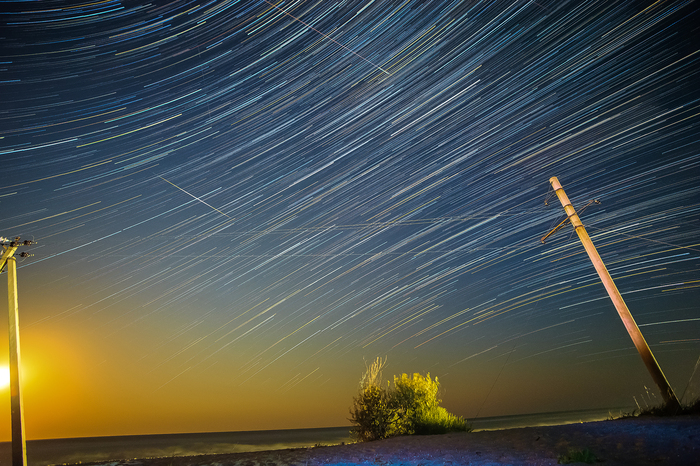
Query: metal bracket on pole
pixel 640 343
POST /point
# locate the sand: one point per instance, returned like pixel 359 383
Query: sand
pixel 637 441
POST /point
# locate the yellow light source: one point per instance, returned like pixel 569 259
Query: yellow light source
pixel 4 377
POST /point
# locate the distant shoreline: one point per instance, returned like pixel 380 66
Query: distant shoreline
pixel 639 441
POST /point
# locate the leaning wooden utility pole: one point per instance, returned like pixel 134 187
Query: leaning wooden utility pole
pixel 667 393
pixel 19 444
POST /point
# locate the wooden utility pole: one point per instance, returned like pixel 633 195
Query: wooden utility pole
pixel 19 444
pixel 640 343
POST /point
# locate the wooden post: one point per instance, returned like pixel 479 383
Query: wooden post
pixel 640 343
pixel 19 445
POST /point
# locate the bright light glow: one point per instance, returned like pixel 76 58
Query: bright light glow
pixel 4 377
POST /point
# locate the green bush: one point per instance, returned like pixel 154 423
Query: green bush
pixel 372 414
pixel 439 421
pixel 410 407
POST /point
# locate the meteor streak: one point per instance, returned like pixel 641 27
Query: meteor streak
pixel 327 37
pixel 200 200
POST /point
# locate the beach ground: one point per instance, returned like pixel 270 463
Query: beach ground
pixel 635 441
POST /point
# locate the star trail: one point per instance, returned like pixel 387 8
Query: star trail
pixel 237 204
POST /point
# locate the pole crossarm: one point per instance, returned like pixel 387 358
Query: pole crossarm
pixel 566 220
pixel 555 229
pixel 637 338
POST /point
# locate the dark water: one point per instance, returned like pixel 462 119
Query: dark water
pixel 546 419
pixel 87 450
pixel 93 449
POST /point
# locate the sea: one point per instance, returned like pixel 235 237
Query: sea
pixel 100 449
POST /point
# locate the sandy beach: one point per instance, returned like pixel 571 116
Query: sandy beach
pixel 636 441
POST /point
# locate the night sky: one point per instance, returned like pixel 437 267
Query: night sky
pixel 239 204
